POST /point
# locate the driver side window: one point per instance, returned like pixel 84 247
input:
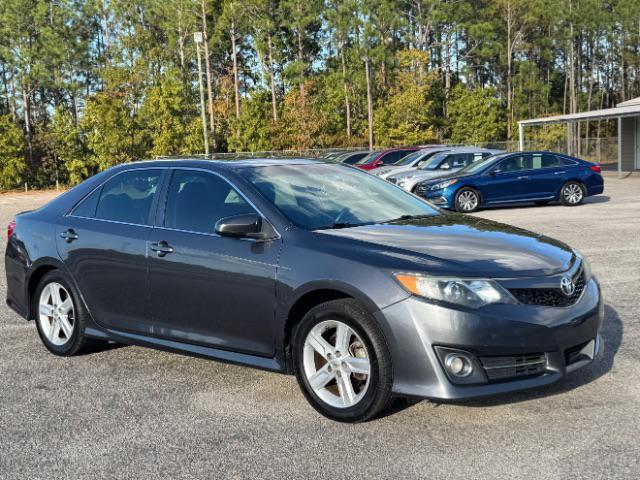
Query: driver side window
pixel 197 200
pixel 513 164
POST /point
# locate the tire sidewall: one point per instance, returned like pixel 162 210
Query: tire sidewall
pixel 457 199
pixel 333 311
pixel 572 182
pixel 72 345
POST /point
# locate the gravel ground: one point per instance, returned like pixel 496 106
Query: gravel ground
pixel 130 412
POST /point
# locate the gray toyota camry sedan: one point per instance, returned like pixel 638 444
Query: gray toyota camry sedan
pixel 361 289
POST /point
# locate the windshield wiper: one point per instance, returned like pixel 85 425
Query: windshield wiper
pixel 407 217
pixel 338 225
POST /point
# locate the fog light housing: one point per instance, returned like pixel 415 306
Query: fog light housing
pixel 459 365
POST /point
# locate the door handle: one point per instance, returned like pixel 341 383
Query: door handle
pixel 69 235
pixel 524 177
pixel 559 173
pixel 161 248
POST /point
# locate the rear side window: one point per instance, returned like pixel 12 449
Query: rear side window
pixel 127 197
pixel 393 157
pixel 547 160
pixel 197 200
pixel 87 208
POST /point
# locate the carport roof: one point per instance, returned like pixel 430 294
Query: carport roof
pixel 630 108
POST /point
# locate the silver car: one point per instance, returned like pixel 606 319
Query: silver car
pixel 410 162
pixel 440 164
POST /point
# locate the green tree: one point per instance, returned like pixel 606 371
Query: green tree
pixel 13 166
pixel 476 115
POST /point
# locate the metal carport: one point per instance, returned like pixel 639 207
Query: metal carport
pixel 628 115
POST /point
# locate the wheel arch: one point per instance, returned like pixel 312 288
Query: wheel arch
pixel 310 295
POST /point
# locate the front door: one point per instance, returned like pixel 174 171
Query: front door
pixel 207 289
pixel 509 180
pixel 103 242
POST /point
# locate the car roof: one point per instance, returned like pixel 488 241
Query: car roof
pixel 227 164
pixel 472 150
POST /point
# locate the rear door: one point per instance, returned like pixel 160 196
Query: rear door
pixel 103 243
pixel 548 174
pixel 207 289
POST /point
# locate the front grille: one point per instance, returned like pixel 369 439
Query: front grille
pixel 573 354
pixel 421 190
pixel 550 297
pixel 514 366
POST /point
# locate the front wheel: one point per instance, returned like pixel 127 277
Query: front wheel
pixel 467 200
pixel 342 361
pixel 572 193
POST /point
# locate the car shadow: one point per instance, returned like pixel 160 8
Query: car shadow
pixel 589 200
pixel 612 332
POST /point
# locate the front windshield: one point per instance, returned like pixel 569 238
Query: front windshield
pixel 480 165
pixel 409 159
pixel 369 158
pixel 333 196
pixel 434 162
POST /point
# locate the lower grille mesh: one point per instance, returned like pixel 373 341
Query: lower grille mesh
pixel 514 366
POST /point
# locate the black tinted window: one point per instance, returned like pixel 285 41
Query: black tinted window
pixel 547 160
pixel 459 160
pixel 87 208
pixel 127 197
pixel 393 157
pixel 514 164
pixel 197 200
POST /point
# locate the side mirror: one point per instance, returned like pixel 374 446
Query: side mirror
pixel 377 163
pixel 493 173
pixel 445 166
pixel 245 226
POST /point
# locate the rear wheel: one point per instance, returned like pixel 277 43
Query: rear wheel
pixel 572 193
pixel 467 200
pixel 60 316
pixel 342 362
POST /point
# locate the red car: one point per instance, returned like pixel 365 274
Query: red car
pixel 384 157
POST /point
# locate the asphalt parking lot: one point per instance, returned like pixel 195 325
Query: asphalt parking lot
pixel 130 412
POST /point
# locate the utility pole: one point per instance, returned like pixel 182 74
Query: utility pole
pixel 197 37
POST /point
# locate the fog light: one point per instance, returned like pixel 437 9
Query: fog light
pixel 458 365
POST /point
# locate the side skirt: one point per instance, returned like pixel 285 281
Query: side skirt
pixel 263 363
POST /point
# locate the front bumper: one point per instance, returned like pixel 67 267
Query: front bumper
pixel 567 338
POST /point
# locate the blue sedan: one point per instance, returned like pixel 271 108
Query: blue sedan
pixel 522 177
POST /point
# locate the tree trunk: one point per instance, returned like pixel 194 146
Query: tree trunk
pixel 27 120
pixel 347 104
pixel 235 68
pixel 301 61
pixel 447 69
pixel 509 73
pixel 369 102
pixel 208 74
pixel 12 87
pixel 272 75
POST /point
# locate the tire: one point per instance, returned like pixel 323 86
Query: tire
pixel 70 339
pixel 572 193
pixel 370 393
pixel 465 202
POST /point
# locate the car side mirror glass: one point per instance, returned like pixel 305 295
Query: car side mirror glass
pixel 248 225
pixel 493 173
pixel 445 166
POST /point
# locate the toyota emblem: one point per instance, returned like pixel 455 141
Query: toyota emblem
pixel 567 286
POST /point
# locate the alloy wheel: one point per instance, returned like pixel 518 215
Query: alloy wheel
pixel 573 193
pixel 336 364
pixel 56 315
pixel 468 200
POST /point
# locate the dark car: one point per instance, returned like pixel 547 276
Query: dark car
pixel 388 156
pixel 351 158
pixel 290 266
pixel 523 177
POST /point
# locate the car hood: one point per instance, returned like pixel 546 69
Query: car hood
pixel 457 244
pixel 391 170
pixel 425 174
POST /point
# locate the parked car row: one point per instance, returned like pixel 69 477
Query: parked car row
pixel 467 178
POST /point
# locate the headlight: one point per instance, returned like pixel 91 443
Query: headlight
pixel 470 293
pixel 586 264
pixel 443 185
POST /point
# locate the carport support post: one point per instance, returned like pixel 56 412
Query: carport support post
pixel 569 135
pixel 520 136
